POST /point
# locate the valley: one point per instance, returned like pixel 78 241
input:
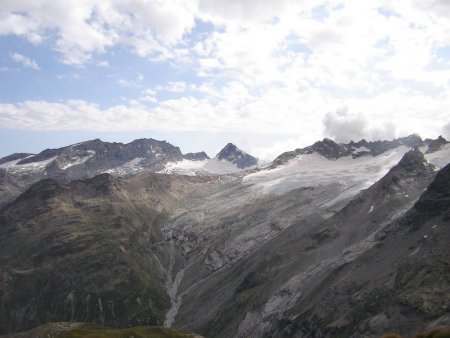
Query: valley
pixel 330 240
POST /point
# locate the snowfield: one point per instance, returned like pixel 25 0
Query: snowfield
pixel 314 170
pixel 79 160
pixel 185 167
pixel 213 166
pixel 440 158
pixel 33 167
pixel 127 168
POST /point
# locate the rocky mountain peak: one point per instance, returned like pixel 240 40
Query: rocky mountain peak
pixel 413 161
pixel 200 156
pixel 435 145
pixel 329 149
pixel 412 140
pixel 233 154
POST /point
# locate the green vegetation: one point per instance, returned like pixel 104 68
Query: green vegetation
pixel 74 330
pixel 141 331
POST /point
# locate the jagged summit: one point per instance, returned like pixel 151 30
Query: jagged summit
pixel 413 161
pixel 328 148
pixel 200 156
pixel 435 145
pixel 90 158
pixel 233 154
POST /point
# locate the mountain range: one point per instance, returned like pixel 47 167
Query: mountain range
pixel 330 240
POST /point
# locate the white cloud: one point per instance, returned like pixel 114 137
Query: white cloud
pixel 265 66
pixel 173 86
pixel 24 61
pixel 446 131
pixel 344 128
pixel 103 64
pixel 83 28
pixel 149 96
pixel 128 83
pixel 269 153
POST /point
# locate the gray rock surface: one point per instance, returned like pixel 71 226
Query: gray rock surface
pixel 200 156
pixel 233 154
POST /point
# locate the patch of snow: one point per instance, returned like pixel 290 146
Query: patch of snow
pixel 361 150
pixel 371 209
pixel 219 167
pixel 185 167
pixel 33 167
pixel 129 167
pixel 79 160
pixel 212 166
pixel 423 149
pixel 10 164
pixel 314 170
pixel 439 158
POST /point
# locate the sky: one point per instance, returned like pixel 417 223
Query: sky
pixel 268 75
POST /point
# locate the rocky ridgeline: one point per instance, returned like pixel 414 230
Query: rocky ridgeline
pixel 200 156
pixel 332 150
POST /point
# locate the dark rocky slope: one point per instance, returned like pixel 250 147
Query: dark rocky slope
pixel 10 187
pixel 88 251
pixel 233 154
pixel 74 329
pixel 200 156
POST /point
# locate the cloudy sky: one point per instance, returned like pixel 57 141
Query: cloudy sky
pixel 269 75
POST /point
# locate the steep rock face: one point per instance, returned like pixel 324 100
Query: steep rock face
pixel 435 145
pixel 327 148
pixel 200 156
pixel 435 201
pixel 10 187
pixel 234 155
pixel 88 251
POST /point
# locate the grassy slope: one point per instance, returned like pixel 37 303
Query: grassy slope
pixel 74 330
pixel 90 251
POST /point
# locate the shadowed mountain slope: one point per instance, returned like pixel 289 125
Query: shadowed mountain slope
pixel 87 251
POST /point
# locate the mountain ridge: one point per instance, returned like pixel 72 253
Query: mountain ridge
pixel 332 150
pixel 222 256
